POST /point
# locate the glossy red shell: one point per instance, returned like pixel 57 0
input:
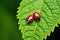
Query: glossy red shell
pixel 36 15
pixel 30 18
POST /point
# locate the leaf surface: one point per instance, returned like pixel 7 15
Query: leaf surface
pixel 50 17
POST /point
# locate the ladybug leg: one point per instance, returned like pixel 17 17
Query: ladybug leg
pixel 28 22
pixel 37 20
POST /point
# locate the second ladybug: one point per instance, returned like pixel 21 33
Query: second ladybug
pixel 30 19
pixel 36 16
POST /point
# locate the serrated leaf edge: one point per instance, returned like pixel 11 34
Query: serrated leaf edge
pixel 52 30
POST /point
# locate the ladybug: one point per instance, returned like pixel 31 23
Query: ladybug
pixel 30 19
pixel 36 16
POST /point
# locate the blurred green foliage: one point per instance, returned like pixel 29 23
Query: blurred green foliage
pixel 8 21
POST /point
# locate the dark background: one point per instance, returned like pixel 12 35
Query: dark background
pixel 8 22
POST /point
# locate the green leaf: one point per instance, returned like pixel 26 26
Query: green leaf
pixel 50 17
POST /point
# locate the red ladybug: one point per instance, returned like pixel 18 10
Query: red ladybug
pixel 36 16
pixel 30 19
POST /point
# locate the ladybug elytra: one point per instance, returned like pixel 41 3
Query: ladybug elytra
pixel 36 16
pixel 30 19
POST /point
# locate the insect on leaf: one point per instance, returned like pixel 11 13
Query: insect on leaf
pixel 50 17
